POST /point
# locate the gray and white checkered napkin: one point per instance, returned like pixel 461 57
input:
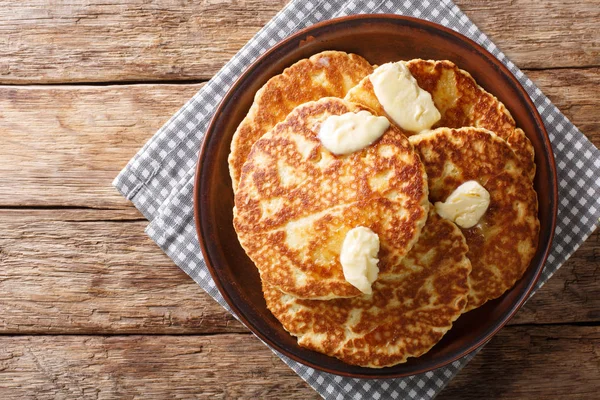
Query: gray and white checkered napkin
pixel 159 179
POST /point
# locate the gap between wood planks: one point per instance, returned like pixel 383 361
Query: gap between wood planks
pixel 199 81
pixel 62 207
pixel 109 334
pixel 574 325
pixel 110 83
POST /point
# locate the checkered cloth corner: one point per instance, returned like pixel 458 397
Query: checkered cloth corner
pixel 159 179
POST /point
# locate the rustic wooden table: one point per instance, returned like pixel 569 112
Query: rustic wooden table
pixel 91 308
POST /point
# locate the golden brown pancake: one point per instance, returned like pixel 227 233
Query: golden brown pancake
pixel 326 74
pixel 504 241
pixel 296 201
pixel 407 314
pixel 460 101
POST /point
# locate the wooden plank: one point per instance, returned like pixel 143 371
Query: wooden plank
pixel 70 142
pixel 96 272
pixel 234 366
pixel 572 294
pixel 145 367
pixel 548 362
pixel 575 93
pixel 136 40
pixel 89 271
pixel 84 41
pixel 565 31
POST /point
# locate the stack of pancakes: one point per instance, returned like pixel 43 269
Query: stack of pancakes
pixel 295 201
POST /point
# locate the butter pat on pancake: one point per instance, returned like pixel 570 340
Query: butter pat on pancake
pixel 405 316
pixel 461 103
pixel 350 132
pixel 398 92
pixel 466 205
pixel 296 201
pixel 359 258
pixel 503 242
pixel 326 74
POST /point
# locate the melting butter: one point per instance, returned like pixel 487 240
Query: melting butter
pixel 409 106
pixel 350 132
pixel 359 258
pixel 466 205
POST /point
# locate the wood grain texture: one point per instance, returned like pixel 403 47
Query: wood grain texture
pixel 575 93
pixel 81 41
pixel 540 34
pixel 45 41
pixel 239 366
pixel 145 367
pixel 549 362
pixel 572 295
pixel 96 272
pixel 71 141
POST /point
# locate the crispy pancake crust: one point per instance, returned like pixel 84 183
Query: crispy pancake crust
pixel 296 201
pixel 407 314
pixel 504 241
pixel 326 74
pixel 460 101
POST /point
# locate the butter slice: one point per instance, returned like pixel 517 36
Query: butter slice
pixel 350 132
pixel 466 205
pixel 409 106
pixel 359 258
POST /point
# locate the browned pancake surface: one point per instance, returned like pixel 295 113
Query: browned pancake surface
pixel 326 74
pixel 405 316
pixel 461 103
pixel 296 201
pixel 504 241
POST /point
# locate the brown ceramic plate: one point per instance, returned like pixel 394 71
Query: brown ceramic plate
pixel 380 39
